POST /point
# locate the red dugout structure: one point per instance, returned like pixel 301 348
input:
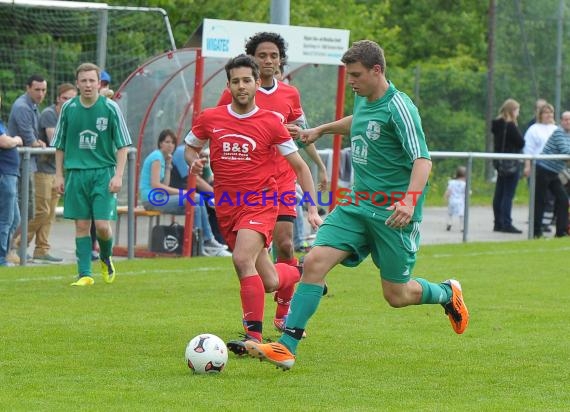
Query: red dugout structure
pixel 169 90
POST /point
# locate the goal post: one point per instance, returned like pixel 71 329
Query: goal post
pixel 52 38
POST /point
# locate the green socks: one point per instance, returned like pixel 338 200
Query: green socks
pixel 303 305
pixel 434 292
pixel 83 253
pixel 105 247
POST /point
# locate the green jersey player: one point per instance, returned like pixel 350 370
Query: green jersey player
pixel 381 215
pixel 91 141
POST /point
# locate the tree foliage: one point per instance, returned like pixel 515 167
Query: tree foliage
pixel 436 51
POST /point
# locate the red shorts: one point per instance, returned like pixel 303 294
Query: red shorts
pixel 287 197
pixel 260 218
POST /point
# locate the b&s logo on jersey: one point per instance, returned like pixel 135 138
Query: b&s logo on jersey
pixel 239 150
pixel 101 123
pixel 88 140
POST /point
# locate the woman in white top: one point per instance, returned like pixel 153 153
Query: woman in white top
pixel 536 136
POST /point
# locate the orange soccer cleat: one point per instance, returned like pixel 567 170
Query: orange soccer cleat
pixel 273 352
pixel 455 309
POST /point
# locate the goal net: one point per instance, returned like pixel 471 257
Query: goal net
pixel 52 38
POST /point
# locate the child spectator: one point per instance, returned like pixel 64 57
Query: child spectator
pixel 455 195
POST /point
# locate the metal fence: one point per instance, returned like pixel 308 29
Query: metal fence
pixel 26 154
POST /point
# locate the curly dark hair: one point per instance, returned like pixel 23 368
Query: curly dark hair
pixel 262 37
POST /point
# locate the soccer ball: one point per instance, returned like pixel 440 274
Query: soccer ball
pixel 206 353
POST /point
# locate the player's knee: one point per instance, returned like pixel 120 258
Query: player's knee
pixel 313 269
pixel 103 230
pixel 395 300
pixel 243 264
pixel 285 246
pixel 270 285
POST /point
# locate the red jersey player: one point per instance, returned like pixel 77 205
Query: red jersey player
pixel 242 139
pixel 269 51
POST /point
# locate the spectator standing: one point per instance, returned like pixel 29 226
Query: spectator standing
pixel 389 155
pixel 536 136
pixel 547 179
pixel 537 106
pixel 535 139
pixel 105 89
pixel 91 141
pixel 9 173
pixel 47 196
pixel 24 122
pixel 455 196
pixel 507 138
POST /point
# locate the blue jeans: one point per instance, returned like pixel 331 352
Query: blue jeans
pixel 298 228
pixel 175 207
pixel 9 213
pixel 505 189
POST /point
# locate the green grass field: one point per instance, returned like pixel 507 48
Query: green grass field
pixel 121 346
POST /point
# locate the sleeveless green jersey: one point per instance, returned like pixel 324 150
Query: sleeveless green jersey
pixel 90 136
pixel 386 137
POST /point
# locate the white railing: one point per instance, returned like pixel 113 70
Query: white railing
pixel 27 152
pixel 479 155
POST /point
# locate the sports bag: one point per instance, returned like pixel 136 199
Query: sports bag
pixel 170 239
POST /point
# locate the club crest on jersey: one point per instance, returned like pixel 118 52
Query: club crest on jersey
pixel 359 150
pixel 88 140
pixel 373 130
pixel 101 124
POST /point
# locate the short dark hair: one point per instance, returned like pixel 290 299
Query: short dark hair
pixel 35 78
pixel 262 37
pixel 367 52
pixel 243 60
pixel 167 133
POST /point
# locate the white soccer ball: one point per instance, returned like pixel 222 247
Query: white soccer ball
pixel 206 353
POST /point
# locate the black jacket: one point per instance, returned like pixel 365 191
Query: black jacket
pixel 514 141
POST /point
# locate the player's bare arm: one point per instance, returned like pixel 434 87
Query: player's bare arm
pixel 314 155
pixel 192 157
pixel 404 209
pixel 8 142
pixel 59 179
pixel 341 126
pixel 306 182
pixel 116 181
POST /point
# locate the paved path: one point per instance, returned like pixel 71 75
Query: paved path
pixel 433 230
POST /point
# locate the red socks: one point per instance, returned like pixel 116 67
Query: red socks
pixel 252 295
pixel 288 278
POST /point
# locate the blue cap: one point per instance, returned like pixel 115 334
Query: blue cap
pixel 105 77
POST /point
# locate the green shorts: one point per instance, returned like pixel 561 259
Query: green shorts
pixel 361 232
pixel 87 194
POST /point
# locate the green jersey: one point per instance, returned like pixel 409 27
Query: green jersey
pixel 386 138
pixel 90 136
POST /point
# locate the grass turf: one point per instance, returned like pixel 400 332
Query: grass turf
pixel 121 346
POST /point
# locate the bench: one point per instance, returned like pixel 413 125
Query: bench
pixel 153 219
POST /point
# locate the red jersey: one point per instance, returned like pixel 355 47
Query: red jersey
pixel 285 99
pixel 242 153
pixel 241 146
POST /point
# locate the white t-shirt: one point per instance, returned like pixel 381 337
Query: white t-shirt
pixel 536 136
pixel 456 199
